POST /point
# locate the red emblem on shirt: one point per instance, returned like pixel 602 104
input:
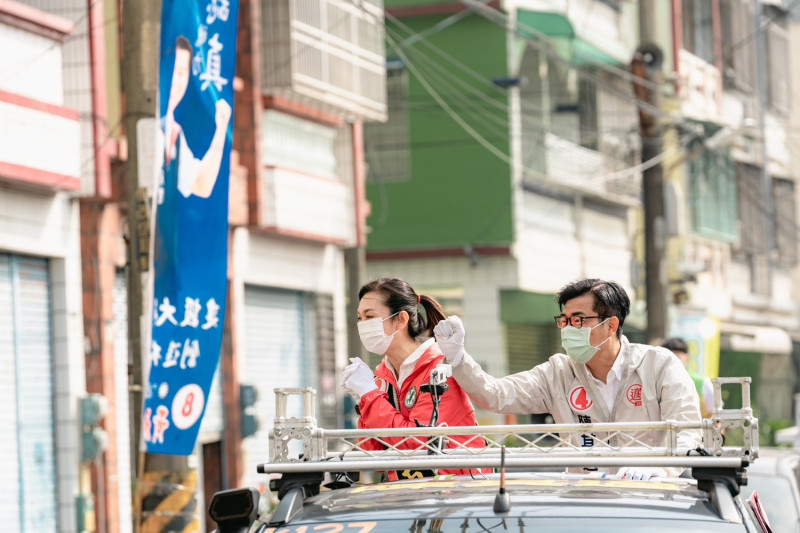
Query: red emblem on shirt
pixel 579 400
pixel 634 395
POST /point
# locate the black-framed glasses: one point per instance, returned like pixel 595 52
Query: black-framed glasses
pixel 575 321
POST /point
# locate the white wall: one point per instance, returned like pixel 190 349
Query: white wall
pixel 561 242
pixel 39 140
pixel 36 224
pixel 75 72
pixel 28 64
pixel 306 190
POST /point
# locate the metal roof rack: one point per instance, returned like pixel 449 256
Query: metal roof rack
pixel 526 445
pixel 718 469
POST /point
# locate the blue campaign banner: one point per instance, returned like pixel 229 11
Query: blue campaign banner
pixel 190 253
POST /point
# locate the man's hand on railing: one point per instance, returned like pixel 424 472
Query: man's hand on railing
pixel 638 473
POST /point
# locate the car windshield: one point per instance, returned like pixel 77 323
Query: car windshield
pixel 776 494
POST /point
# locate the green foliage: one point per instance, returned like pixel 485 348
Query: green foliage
pixel 767 428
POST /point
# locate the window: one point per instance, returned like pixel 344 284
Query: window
pixel 698 34
pixel 386 145
pixel 712 179
pixel 587 103
pixel 778 71
pixel 753 219
pixel 738 45
pixel 783 194
pixel 751 210
pixel 328 51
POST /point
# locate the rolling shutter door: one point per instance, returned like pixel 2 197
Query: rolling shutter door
pixel 9 449
pixel 277 354
pixel 29 474
pixel 530 345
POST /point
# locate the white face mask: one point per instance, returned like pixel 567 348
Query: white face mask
pixel 373 337
pixel 577 344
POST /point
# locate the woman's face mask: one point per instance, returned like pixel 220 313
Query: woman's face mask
pixel 577 344
pixel 373 337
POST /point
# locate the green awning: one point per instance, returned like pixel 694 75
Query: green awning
pixel 563 38
pixel 524 307
pixel 549 24
pixel 588 54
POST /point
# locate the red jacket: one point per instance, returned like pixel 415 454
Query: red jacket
pixel 393 407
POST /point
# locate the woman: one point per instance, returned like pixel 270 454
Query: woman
pixel 390 324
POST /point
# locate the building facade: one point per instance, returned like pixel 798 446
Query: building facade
pixel 732 244
pixel 41 359
pixel 501 173
pixel 307 77
pixel 530 107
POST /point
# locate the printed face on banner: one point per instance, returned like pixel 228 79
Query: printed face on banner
pixel 180 76
pixel 191 209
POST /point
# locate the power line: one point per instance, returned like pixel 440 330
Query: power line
pixel 445 105
pixel 435 72
pixel 767 22
pixel 543 41
pixel 543 47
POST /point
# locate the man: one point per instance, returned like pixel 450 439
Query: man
pixel 601 378
pixel 702 384
pixel 181 175
pixel 180 167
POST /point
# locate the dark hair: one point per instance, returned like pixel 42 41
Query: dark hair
pixel 610 299
pixel 399 296
pixel 182 43
pixel 676 344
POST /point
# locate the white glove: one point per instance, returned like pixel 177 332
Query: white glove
pixel 450 335
pixel 638 473
pixel 357 378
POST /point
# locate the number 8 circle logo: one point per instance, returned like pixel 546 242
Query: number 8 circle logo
pixel 188 405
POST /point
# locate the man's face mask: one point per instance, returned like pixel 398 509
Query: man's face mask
pixel 577 344
pixel 373 337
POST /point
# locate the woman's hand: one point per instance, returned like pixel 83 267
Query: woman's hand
pixel 357 378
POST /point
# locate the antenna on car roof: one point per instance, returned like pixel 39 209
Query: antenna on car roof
pixel 502 502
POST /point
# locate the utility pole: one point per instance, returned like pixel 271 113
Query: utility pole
pixel 140 25
pixel 165 497
pixel 645 66
pixel 765 279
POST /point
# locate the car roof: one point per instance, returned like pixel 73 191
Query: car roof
pixel 537 501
